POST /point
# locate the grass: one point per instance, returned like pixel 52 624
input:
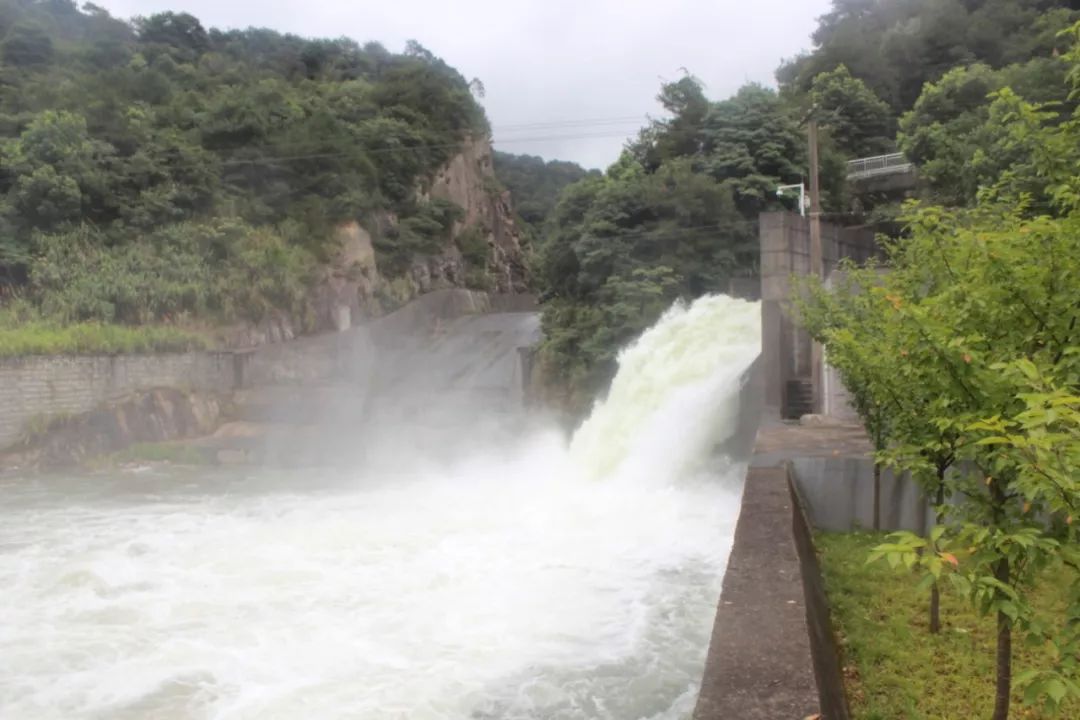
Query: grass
pixel 894 668
pixel 43 338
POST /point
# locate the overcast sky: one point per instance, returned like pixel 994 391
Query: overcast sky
pixel 566 79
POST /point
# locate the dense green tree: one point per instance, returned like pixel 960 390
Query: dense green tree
pixel 162 123
pixel 674 217
pixel 860 123
pixel 980 306
pixel 952 136
pixel 896 46
pixel 535 184
pixel 750 142
pixel 26 46
pixel 178 32
pixel 680 136
pixel 56 172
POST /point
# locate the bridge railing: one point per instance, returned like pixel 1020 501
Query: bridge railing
pixel 894 163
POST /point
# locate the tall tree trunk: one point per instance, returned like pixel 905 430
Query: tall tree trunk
pixel 935 609
pixel 877 496
pixel 935 591
pixel 1004 626
pixel 1004 652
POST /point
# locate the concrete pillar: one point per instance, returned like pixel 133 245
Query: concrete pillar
pixel 788 356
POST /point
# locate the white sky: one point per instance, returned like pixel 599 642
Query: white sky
pixel 554 62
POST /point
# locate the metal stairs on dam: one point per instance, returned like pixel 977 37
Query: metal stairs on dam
pixel 798 398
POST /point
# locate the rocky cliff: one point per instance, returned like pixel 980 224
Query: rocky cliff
pixel 352 286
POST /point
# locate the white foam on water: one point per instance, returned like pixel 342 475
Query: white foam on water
pixel 540 581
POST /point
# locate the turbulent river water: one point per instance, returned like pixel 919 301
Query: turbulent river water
pixel 531 577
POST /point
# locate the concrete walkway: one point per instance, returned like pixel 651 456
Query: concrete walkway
pixel 777 442
pixel 759 665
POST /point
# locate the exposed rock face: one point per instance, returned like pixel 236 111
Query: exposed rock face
pixel 277 328
pixel 349 284
pixel 469 181
pixel 351 288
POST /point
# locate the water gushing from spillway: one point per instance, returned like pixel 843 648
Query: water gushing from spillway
pixel 532 580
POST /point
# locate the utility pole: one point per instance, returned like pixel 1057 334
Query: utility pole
pixel 817 263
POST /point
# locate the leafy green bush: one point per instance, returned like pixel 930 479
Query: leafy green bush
pixel 474 247
pixel 223 269
pixel 424 232
pixel 39 338
pixel 138 129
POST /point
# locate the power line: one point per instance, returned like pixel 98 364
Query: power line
pixel 411 148
pixel 574 123
pixel 632 124
pixel 674 232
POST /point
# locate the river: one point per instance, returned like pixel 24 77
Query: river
pixel 538 576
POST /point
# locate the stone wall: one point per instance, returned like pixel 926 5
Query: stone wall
pixel 152 416
pixel 35 389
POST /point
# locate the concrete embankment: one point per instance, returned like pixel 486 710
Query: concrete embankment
pixel 759 665
pixel 773 655
pixel 294 389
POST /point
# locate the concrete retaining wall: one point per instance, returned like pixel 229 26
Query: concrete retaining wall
pixel 741 443
pixel 35 389
pixel 304 360
pixel 838 494
pixel 773 652
pixel 759 665
pixel 824 650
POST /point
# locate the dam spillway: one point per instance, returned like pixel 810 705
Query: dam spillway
pixel 467 566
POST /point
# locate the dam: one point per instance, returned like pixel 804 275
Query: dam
pixel 464 559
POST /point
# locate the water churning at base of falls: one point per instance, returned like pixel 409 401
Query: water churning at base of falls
pixel 532 578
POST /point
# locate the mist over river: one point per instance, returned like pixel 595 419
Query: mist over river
pixel 529 576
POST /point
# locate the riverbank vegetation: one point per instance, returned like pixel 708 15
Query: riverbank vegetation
pixel 894 669
pixel 967 343
pixel 157 171
pixel 21 336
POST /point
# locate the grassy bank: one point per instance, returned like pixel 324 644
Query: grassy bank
pixel 40 338
pixel 895 669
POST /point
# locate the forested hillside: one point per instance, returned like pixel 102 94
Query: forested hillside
pixel 676 216
pixel 935 64
pixel 897 46
pixel 535 184
pixel 159 171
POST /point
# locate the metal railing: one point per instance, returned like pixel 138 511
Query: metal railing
pixel 894 163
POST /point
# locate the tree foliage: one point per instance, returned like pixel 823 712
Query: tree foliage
pixel 955 134
pixel 674 217
pixel 897 46
pixel 860 123
pixel 977 318
pixel 535 184
pixel 118 133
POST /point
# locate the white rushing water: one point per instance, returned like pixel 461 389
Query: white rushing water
pixel 535 580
